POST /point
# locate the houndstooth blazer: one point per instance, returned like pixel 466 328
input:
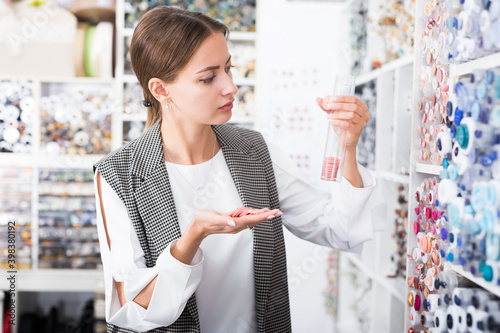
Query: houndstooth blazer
pixel 138 174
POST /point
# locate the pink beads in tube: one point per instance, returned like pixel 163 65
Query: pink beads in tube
pixel 336 140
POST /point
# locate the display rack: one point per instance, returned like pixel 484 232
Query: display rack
pixel 421 171
pixel 393 83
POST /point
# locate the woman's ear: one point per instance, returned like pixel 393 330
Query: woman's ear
pixel 158 89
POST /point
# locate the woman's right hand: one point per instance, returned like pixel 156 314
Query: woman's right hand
pixel 207 222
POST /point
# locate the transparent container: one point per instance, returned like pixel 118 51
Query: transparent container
pixel 336 139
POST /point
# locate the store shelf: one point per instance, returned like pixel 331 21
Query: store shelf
pixel 130 78
pixel 486 62
pixel 479 281
pixel 370 76
pixel 49 79
pixel 428 168
pixel 44 161
pixel 385 282
pixel 57 280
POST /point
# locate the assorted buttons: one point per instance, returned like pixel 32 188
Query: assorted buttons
pixel 366 144
pixel 330 294
pixel 398 258
pixel 393 25
pixel 77 122
pixel 358 35
pixel 237 15
pixel 17 110
pixel 433 98
pixel 67 226
pixel 15 201
pixel 472 30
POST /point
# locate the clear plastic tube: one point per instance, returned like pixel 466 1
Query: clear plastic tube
pixel 336 140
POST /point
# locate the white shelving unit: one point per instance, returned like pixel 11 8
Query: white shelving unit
pixel 393 84
pixel 420 171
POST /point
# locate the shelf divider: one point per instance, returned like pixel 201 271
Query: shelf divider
pixel 479 281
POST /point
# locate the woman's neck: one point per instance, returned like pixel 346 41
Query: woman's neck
pixel 188 143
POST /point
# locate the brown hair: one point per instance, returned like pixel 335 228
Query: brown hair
pixel 164 41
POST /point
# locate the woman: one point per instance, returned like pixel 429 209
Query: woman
pixel 174 259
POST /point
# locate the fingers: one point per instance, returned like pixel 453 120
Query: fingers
pixel 250 221
pixel 257 211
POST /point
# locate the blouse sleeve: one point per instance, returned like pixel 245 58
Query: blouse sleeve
pixel 125 262
pixel 339 217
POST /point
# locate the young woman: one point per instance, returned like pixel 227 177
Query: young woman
pixel 174 259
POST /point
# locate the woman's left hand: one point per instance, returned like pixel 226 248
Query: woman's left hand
pixel 346 112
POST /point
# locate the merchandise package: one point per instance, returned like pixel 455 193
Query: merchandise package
pixel 38 38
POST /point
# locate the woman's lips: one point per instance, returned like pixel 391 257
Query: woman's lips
pixel 227 107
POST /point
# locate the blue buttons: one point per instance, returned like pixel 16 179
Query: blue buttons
pixel 494 118
pixel 452 172
pixel 481 90
pixel 449 109
pixel 472 156
pixel 453 130
pixel 486 160
pixel 462 135
pixel 443 174
pixel 445 163
pixel 490 77
pixel 475 111
pixel 462 96
pixel 449 257
pixel 454 215
pixel 492 195
pixel 473 227
pixel 488 221
pixel 479 197
pixel 487 272
pixel 444 235
pixel 458 116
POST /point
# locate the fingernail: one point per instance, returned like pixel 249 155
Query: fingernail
pixel 270 217
pixel 331 105
pixel 279 214
pixel 231 223
pixel 334 99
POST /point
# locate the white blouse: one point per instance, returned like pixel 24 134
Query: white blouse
pixel 221 272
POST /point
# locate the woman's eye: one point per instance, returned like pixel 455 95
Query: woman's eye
pixel 209 80
pixel 228 69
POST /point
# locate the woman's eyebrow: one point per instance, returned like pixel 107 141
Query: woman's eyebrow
pixel 209 68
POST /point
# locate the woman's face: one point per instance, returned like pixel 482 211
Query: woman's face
pixel 203 91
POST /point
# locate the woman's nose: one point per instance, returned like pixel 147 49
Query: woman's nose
pixel 229 86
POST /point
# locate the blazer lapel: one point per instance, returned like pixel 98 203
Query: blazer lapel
pixel 248 175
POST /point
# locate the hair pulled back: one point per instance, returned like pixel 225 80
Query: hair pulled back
pixel 163 42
